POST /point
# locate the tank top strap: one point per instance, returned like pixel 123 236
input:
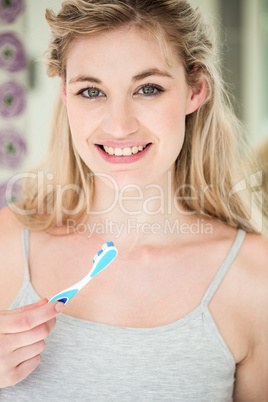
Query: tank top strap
pixel 224 267
pixel 25 246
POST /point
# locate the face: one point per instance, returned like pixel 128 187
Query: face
pixel 126 107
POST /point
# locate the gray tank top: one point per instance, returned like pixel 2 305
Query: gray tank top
pixel 185 361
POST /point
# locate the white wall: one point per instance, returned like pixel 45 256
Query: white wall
pixel 209 7
pixel 253 74
pixel 41 96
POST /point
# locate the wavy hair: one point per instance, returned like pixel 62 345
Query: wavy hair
pixel 214 143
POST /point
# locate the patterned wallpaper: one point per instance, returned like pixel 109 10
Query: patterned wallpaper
pixel 13 95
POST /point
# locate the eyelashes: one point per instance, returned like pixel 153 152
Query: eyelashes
pixel 92 92
pixel 85 92
pixel 155 87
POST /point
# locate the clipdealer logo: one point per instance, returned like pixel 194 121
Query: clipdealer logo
pixel 161 201
pixel 135 227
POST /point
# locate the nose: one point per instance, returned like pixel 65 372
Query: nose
pixel 119 119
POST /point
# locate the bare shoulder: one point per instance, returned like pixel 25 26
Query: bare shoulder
pixel 252 371
pixel 252 274
pixel 11 258
pixel 257 247
pixel 253 262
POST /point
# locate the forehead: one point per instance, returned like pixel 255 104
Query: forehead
pixel 126 46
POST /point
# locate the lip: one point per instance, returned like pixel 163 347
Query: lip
pixel 123 159
pixel 127 144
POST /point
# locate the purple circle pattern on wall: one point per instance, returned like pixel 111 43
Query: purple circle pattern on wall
pixel 12 148
pixel 11 9
pixel 12 96
pixel 9 195
pixel 12 53
pixel 12 99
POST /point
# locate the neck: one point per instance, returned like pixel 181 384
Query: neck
pixel 144 202
pixel 147 215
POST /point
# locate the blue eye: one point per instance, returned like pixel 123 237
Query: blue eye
pixel 147 90
pixel 90 93
pixel 150 90
pixel 93 92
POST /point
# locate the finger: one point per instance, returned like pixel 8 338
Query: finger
pixel 25 308
pixel 24 369
pixel 28 352
pixel 39 303
pixel 25 320
pixel 32 336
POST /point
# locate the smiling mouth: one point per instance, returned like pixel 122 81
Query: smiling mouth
pixel 127 151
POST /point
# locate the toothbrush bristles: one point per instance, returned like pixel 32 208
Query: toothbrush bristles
pixel 104 247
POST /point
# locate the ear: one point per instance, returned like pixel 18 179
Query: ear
pixel 197 96
pixel 63 90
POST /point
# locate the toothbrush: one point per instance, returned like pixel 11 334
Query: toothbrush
pixel 100 261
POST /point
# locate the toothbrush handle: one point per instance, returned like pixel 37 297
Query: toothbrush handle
pixel 106 258
pixel 65 295
pixel 103 259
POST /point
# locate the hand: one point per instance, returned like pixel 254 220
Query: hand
pixel 22 334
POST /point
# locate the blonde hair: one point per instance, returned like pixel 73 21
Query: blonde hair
pixel 214 141
pixel 261 157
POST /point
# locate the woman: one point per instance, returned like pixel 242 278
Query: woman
pixel 144 152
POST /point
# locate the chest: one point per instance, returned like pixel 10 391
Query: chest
pixel 151 287
pixel 148 287
pixel 114 364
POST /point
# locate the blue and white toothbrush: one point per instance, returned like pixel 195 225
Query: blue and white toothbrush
pixel 100 261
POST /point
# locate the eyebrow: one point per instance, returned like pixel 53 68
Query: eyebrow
pixel 136 78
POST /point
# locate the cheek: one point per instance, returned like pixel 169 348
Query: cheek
pixel 169 122
pixel 80 124
pixel 170 114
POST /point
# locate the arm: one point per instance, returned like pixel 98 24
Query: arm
pixel 251 383
pixel 11 258
pixel 22 331
pixel 22 334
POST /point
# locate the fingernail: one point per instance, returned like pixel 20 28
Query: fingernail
pixel 59 306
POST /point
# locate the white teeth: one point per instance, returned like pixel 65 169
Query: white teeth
pixel 127 151
pixel 123 151
pixel 118 152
